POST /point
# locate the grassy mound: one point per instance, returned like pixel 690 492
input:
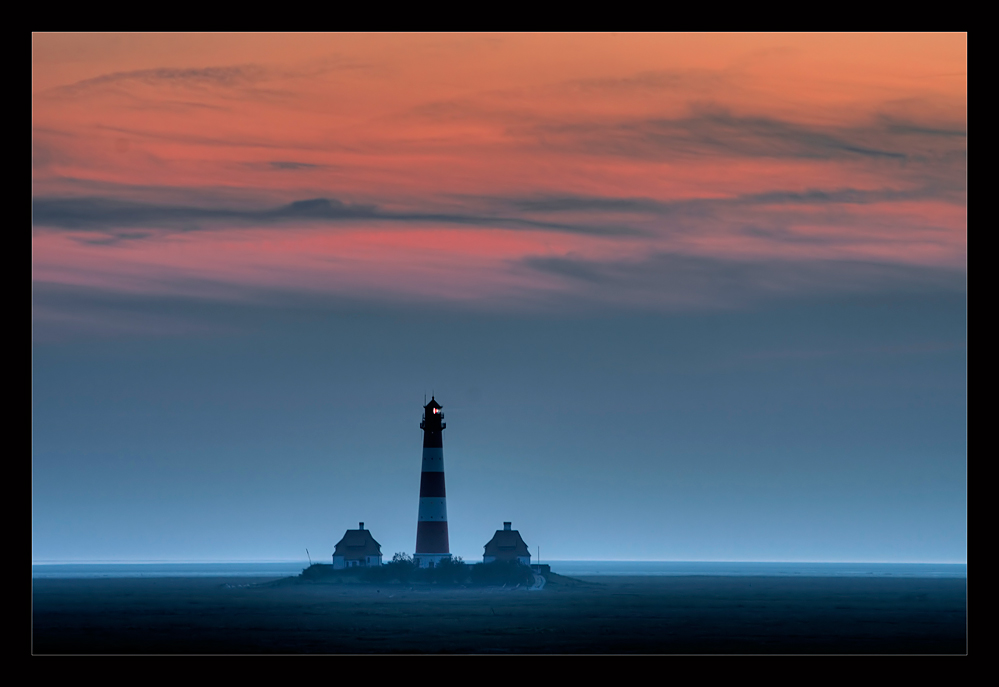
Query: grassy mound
pixel 448 573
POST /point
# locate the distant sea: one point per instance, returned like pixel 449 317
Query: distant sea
pixel 570 568
pixel 740 569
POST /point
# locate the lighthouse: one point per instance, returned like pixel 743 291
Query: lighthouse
pixel 431 529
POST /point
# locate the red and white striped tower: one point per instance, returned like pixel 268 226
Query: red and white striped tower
pixel 431 530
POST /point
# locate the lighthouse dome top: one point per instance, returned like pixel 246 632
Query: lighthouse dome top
pixel 433 416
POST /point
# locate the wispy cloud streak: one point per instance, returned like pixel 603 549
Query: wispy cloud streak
pixel 224 76
pixel 108 214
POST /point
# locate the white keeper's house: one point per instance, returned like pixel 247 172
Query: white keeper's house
pixel 357 549
pixel 507 545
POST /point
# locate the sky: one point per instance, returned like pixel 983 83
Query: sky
pixel 681 296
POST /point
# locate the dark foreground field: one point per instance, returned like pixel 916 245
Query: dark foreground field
pixel 653 615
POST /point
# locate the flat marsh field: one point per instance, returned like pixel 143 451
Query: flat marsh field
pixel 598 615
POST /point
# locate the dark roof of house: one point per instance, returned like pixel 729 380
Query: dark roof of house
pixel 506 543
pixel 357 544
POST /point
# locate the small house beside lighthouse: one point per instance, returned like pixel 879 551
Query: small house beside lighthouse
pixel 357 548
pixel 507 545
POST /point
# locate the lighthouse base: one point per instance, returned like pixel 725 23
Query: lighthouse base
pixel 429 560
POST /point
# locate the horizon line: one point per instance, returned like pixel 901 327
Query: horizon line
pixel 552 560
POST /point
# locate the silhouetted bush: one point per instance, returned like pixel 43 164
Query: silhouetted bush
pixel 318 571
pixel 448 571
pixel 399 570
pixel 510 573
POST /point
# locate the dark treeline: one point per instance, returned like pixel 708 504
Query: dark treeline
pixel 402 570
